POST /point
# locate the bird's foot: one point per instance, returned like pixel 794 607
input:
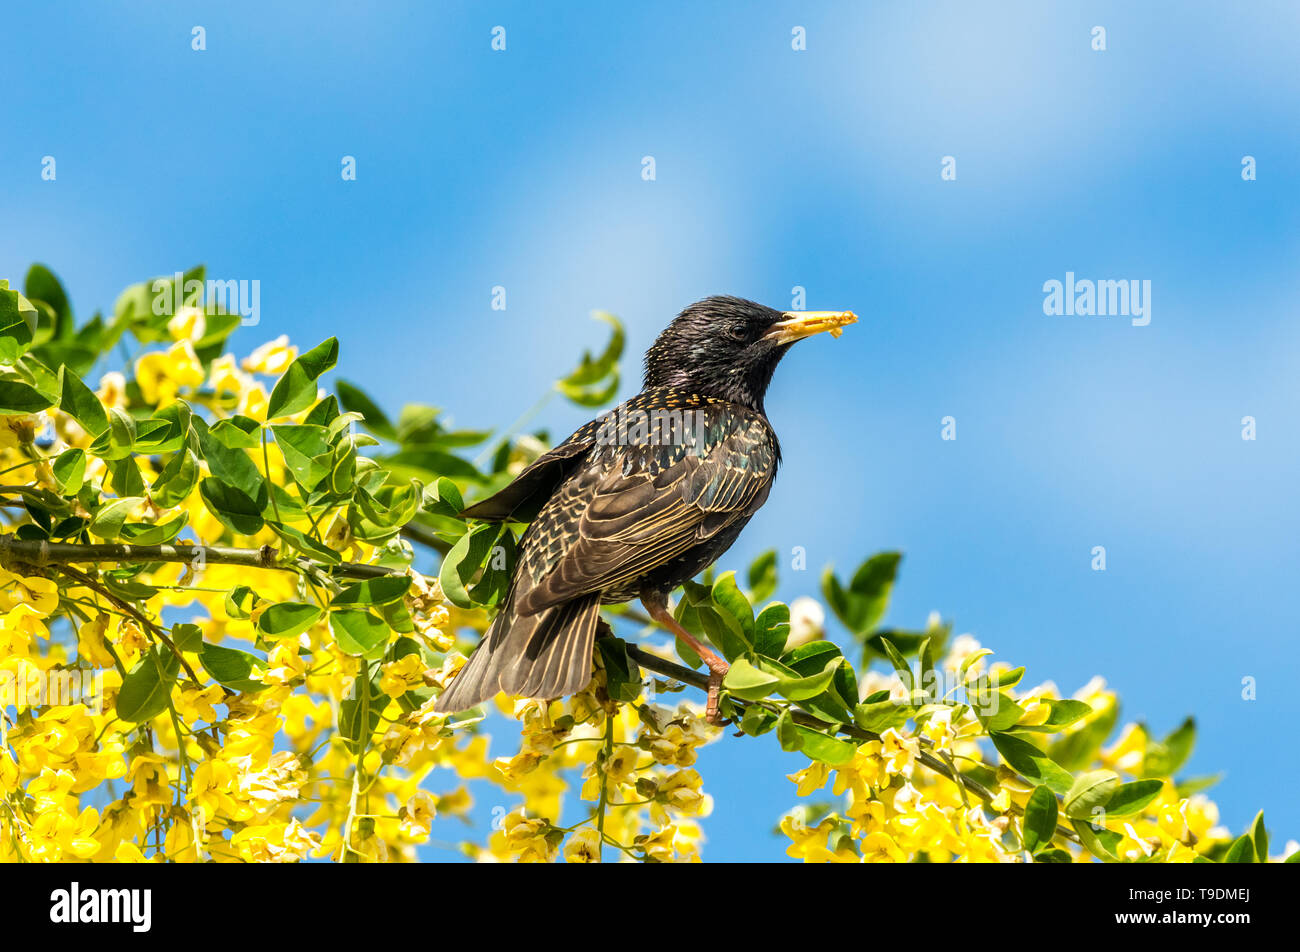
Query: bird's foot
pixel 658 609
pixel 717 671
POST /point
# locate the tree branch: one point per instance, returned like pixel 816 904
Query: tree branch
pixel 40 552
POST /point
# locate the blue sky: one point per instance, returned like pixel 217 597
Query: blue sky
pixel 777 168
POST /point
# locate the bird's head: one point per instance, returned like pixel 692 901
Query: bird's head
pixel 728 347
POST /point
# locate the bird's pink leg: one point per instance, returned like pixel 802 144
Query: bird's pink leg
pixel 657 607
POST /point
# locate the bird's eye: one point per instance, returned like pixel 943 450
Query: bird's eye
pixel 738 333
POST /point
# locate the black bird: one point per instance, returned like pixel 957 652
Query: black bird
pixel 635 503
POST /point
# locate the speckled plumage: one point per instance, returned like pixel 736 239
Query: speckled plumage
pixel 619 509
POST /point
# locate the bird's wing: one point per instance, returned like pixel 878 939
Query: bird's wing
pixel 631 509
pixel 526 494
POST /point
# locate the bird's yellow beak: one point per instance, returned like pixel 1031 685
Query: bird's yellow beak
pixel 800 324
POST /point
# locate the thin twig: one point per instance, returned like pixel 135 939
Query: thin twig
pixel 88 582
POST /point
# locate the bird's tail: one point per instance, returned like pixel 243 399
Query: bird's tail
pixel 544 655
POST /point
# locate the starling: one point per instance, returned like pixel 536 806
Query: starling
pixel 638 501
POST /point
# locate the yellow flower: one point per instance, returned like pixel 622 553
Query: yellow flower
pixel 224 376
pixel 1128 751
pixel 18 430
pixel 272 358
pixel 92 646
pixel 285 664
pixel 899 752
pixel 881 848
pixel 527 838
pixel 41 595
pixel 938 729
pixel 281 843
pixel 195 704
pixel 681 791
pixel 187 324
pixel 513 769
pixel 861 774
pixel 583 847
pixel 112 390
pixel 161 376
pixel 811 778
pixel 804 840
pixel 401 676
pixel 667 845
pixel 417 816
pixel 56 834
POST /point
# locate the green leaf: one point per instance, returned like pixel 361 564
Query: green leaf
pixel 1100 843
pixel 622 674
pixel 187 637
pixel 1260 835
pixel 746 681
pixel 881 714
pixel 579 386
pixel 824 747
pixel 355 399
pixel 1039 822
pixel 109 520
pixel 1008 679
pixel 755 681
pixel 1130 798
pixel 462 563
pixel 147 687
pixel 762 576
pixel 79 402
pixel 225 450
pixel 287 619
pixel 241 601
pixel 861 606
pixel 17 397
pixel 125 477
pixel 306 451
pixel 1164 758
pixel 1001 713
pixel 772 630
pixel 758 720
pixel 1089 792
pixel 42 285
pixel 70 471
pixel 733 607
pixel 442 498
pixel 143 533
pixel 231 667
pixel 296 390
pixel 232 507
pixel 1053 856
pixel 1242 850
pixel 590 396
pixel 372 591
pixel 360 714
pixel 900 665
pixel 1063 714
pixel 306 544
pixel 177 479
pixel 1031 763
pixel 359 633
pixel 117 441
